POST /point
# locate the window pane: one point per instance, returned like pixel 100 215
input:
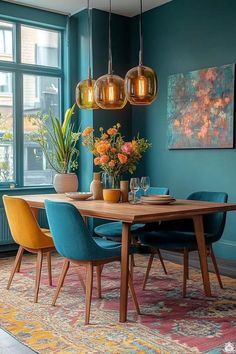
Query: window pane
pixel 6 41
pixel 40 47
pixel 41 96
pixel 6 127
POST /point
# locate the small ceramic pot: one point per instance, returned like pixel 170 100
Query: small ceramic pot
pixel 111 195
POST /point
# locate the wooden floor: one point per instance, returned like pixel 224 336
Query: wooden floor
pixel 9 345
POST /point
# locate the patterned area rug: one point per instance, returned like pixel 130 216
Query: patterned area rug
pixel 168 324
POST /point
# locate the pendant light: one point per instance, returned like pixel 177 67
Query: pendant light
pixel 141 82
pixel 85 89
pixel 109 89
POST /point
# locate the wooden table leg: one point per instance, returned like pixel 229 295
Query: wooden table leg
pixel 199 231
pixel 124 271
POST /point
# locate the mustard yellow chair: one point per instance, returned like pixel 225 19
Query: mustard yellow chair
pixel 29 236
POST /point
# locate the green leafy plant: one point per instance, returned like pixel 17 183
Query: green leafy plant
pixel 58 142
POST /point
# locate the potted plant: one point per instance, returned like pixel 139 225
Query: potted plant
pixel 59 144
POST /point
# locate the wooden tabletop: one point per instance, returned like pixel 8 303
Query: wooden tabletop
pixel 133 213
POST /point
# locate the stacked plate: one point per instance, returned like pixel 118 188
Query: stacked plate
pixel 157 199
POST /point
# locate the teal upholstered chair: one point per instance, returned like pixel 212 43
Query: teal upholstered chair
pixel 179 235
pixel 113 230
pixel 74 242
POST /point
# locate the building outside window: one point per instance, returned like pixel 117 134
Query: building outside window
pixel 31 77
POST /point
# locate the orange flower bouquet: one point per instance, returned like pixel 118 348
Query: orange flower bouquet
pixel 113 154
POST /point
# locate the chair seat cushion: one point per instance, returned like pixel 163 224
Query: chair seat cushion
pixel 171 240
pixel 106 243
pixel 114 229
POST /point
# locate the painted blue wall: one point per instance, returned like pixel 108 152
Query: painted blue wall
pixel 182 36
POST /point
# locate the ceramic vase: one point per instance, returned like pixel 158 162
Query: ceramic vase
pixel 96 186
pixel 65 182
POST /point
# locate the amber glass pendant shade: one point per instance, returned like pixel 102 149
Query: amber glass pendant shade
pixel 109 89
pixel 85 94
pixel 141 85
pixel 109 92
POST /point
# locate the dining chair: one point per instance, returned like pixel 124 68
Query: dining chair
pixel 179 235
pixel 27 233
pixel 75 243
pixel 113 230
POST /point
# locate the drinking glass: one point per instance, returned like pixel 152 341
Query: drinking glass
pixel 134 187
pixel 145 184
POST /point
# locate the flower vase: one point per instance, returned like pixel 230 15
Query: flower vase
pixel 111 188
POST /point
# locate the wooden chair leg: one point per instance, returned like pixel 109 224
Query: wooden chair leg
pixel 89 288
pixel 132 260
pixel 148 270
pixel 60 282
pixel 161 260
pixel 49 268
pixel 185 273
pixel 213 258
pixel 19 263
pixel 15 265
pixel 132 264
pixel 99 280
pixel 133 294
pixel 80 278
pixel 38 274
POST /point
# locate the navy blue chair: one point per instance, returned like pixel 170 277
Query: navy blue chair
pixel 113 230
pixel 179 235
pixel 74 242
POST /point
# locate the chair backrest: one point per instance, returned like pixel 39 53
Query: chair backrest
pixel 154 190
pixel 23 225
pixel 213 223
pixel 71 236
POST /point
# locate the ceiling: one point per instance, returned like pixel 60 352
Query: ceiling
pixel 122 7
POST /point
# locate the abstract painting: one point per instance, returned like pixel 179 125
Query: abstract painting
pixel 200 109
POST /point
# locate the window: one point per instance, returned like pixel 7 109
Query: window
pixel 6 42
pixel 6 128
pixel 6 83
pixel 40 47
pixel 44 100
pixel 27 91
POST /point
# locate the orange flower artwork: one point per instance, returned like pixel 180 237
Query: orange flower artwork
pixel 200 108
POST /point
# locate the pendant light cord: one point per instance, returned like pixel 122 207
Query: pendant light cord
pixel 90 42
pixel 109 50
pixel 141 34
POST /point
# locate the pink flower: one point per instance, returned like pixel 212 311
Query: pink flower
pixel 112 164
pixel 127 148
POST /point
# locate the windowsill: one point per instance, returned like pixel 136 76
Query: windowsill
pixel 2 189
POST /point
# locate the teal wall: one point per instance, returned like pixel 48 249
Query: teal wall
pixel 182 36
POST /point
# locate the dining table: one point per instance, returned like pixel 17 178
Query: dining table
pixel 130 214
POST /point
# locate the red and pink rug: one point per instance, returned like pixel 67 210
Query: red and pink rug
pixel 168 324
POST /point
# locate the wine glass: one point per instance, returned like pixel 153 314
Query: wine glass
pixel 134 187
pixel 145 184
